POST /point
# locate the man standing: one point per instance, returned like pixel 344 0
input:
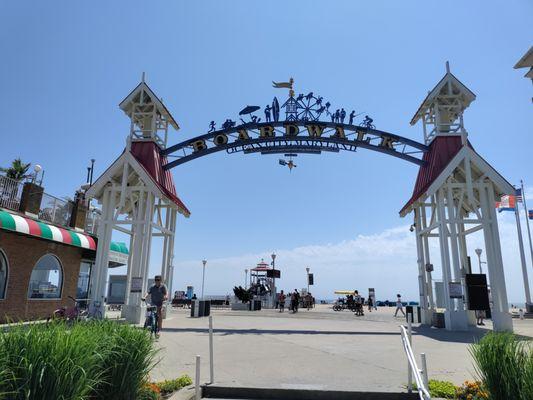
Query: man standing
pixel 158 294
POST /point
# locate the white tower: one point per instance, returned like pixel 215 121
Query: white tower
pixel 139 199
pixel 454 196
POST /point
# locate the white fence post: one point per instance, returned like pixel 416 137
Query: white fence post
pixel 198 394
pixel 409 371
pixel 424 370
pixel 211 366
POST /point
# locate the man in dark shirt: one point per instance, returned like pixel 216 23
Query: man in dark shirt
pixel 158 294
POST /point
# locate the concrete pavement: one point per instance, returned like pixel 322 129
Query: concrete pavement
pixel 316 349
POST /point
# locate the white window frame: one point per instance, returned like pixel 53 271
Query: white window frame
pixel 60 286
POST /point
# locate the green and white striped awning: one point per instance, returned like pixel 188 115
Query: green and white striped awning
pixel 32 227
pixel 118 252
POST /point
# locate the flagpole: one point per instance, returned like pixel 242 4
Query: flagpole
pixel 522 254
pixel 527 220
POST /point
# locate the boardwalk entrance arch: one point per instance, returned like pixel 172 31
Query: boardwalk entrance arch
pixel 454 194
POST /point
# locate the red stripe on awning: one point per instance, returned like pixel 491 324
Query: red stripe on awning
pixel 92 243
pixel 35 229
pixel 67 239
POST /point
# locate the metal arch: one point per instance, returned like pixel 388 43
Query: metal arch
pixel 296 143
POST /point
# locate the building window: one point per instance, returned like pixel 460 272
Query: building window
pixel 46 279
pixel 3 275
pixel 82 292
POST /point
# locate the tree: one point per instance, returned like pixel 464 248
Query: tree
pixel 17 171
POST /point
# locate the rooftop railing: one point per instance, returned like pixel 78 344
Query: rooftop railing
pixel 52 209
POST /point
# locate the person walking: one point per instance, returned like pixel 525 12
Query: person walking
pixel 480 316
pixel 296 300
pixel 281 301
pixel 370 304
pixel 399 305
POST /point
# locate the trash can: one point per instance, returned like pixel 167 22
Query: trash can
pixel 437 320
pixel 413 314
pixel 200 308
pixel 255 305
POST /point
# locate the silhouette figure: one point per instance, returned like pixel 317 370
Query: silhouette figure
pixel 332 117
pixel 368 122
pixel 337 115
pixel 352 116
pixel 212 127
pixel 343 115
pixel 267 113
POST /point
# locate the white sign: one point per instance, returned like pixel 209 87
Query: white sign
pixel 136 285
pixel 456 290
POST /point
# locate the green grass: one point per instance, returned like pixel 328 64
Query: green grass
pixel 504 365
pixel 93 360
pixel 173 385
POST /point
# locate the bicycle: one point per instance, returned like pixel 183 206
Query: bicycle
pixel 71 314
pixel 151 321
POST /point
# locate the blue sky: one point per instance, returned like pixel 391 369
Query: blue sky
pixel 66 66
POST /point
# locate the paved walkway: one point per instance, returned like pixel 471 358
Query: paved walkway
pixel 316 349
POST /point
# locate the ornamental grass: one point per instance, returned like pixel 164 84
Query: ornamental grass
pixel 92 360
pixel 504 364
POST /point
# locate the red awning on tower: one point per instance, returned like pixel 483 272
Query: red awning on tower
pixel 148 154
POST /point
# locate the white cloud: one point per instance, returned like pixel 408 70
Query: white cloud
pixel 385 261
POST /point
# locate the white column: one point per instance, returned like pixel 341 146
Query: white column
pixel 102 253
pixel 522 256
pixel 461 319
pixel 147 239
pixel 500 311
pixel 132 311
pixel 427 260
pixel 445 259
pixel 421 267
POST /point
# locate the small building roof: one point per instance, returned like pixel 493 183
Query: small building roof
pixel 148 154
pixel 526 61
pixel 444 155
pixel 134 97
pixel 458 88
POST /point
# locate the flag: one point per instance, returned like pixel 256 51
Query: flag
pixel 507 203
pixel 530 214
pixel 519 195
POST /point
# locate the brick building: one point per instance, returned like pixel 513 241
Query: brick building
pixel 47 251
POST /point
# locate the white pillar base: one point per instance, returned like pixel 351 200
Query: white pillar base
pixel 426 317
pixel 502 321
pixel 134 314
pixel 456 320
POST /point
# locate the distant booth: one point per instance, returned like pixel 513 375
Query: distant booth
pixel 263 284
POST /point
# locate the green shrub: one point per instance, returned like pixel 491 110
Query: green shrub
pixel 444 389
pixel 127 359
pixel 169 386
pixel 503 363
pixel 99 359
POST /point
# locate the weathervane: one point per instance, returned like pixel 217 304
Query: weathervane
pixel 285 85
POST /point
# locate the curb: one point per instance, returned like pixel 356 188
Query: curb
pixel 299 394
pixel 185 393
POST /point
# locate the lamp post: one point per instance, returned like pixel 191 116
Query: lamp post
pixel 307 270
pixel 203 277
pixel 245 278
pixel 478 252
pixel 273 255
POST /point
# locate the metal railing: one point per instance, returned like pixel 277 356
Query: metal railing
pixel 55 210
pixel 420 375
pixel 10 193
